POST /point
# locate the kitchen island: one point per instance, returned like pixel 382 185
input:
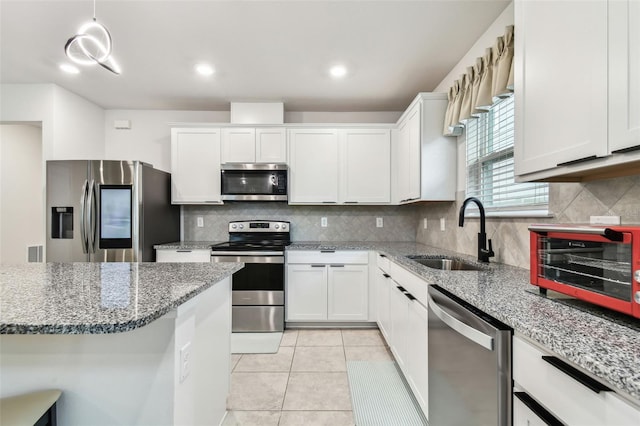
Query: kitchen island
pixel 127 343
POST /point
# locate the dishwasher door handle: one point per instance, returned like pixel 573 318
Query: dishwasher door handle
pixel 467 331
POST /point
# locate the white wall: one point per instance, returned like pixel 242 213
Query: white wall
pixel 78 132
pixel 495 30
pixel 149 138
pixel 21 191
pixel 72 127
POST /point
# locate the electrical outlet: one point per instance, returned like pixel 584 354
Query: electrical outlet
pixel 424 223
pixel 323 222
pixel 185 361
pixel 379 222
pixel 442 224
pixel 199 221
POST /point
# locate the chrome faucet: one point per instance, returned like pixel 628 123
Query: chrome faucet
pixel 483 253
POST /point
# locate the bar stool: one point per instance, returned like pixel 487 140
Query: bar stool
pixel 30 409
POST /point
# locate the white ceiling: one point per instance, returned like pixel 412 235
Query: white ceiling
pixel 261 50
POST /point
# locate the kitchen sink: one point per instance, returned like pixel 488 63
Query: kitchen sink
pixel 446 263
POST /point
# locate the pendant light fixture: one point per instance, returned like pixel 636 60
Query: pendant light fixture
pixel 92 45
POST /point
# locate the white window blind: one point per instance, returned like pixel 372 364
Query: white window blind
pixel 490 171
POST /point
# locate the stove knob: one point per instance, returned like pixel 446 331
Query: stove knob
pixel 277 226
pixel 636 275
pixel 636 297
pixel 234 226
pixel 284 226
pixel 241 226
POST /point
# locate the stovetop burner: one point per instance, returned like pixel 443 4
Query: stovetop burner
pixel 256 235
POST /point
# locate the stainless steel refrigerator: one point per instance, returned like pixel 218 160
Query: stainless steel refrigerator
pixel 108 211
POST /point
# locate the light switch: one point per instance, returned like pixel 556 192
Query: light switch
pixel 199 221
pixel 442 224
pixel 323 222
pixel 379 222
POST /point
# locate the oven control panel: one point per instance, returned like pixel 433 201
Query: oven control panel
pixel 259 226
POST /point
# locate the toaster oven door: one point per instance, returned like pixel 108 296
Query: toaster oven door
pixel 600 267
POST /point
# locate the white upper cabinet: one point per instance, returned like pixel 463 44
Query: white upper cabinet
pixel 577 88
pixel 624 75
pixel 254 145
pixel 195 166
pixel 366 166
pixel 238 145
pixel 271 145
pixel 313 166
pixel 346 166
pixel 423 163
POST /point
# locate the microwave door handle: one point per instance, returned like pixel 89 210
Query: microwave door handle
pixel 83 218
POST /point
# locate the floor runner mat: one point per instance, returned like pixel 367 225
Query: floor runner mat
pixel 381 396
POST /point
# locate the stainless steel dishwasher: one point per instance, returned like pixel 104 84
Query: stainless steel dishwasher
pixel 469 364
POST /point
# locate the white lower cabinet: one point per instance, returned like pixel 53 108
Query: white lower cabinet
pixel 306 292
pixel 183 255
pixel 327 286
pixel 383 313
pixel 402 318
pixel 566 394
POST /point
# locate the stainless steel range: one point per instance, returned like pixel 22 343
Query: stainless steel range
pixel 258 288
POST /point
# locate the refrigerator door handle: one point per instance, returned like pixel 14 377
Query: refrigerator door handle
pixel 83 221
pixel 467 331
pixel 91 216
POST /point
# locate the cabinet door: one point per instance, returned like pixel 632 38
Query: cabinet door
pixel 238 145
pixel 417 353
pixel 271 145
pixel 306 292
pixel 560 82
pixel 406 161
pixel 366 166
pixel 195 166
pixel 313 166
pixel 398 308
pixel 348 297
pixel 624 74
pixel 382 303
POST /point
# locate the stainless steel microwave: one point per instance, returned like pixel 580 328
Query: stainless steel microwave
pixel 254 182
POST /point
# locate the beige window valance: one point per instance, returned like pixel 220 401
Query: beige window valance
pixel 489 79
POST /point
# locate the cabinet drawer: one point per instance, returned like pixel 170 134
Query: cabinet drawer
pixel 566 397
pixel 412 283
pixel 383 262
pixel 328 256
pixel 173 255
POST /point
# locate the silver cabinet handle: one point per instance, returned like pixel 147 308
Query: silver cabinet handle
pixel 462 328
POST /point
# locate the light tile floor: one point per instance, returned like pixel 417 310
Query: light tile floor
pixel 305 383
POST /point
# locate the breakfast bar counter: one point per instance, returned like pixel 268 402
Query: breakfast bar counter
pixel 127 343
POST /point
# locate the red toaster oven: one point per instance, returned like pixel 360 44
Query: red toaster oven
pixel 598 264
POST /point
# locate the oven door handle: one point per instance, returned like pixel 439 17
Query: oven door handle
pixel 246 253
pixel 247 259
pixel 608 233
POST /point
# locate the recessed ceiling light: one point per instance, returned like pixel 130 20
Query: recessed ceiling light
pixel 338 71
pixel 204 69
pixel 69 68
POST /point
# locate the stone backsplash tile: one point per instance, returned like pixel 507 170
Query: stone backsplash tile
pixel 345 223
pixel 568 203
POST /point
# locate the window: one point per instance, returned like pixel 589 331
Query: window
pixel 490 170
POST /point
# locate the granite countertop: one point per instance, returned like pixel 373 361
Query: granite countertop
pixel 97 298
pixel 607 349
